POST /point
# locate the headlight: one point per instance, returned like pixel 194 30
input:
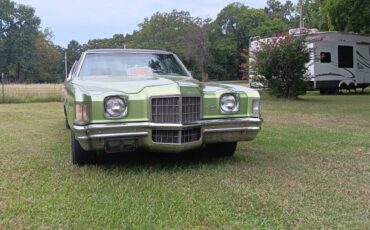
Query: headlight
pixel 229 103
pixel 256 107
pixel 115 107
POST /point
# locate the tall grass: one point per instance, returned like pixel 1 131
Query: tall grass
pixel 23 93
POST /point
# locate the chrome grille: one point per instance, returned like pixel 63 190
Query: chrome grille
pixel 166 136
pixel 166 110
pixel 175 136
pixel 176 109
pixel 190 135
pixel 190 109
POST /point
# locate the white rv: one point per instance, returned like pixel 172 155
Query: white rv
pixel 338 60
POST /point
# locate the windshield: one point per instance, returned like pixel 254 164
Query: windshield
pixel 130 64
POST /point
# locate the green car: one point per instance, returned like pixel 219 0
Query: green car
pixel 122 100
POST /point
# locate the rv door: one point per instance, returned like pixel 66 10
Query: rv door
pixel 363 63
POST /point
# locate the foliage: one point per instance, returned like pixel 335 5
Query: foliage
pixel 48 60
pixel 171 32
pixel 230 34
pixel 313 18
pixel 117 41
pixel 163 31
pixel 19 31
pixel 197 40
pixel 73 51
pixel 275 9
pixel 27 54
pixel 348 15
pixel 282 63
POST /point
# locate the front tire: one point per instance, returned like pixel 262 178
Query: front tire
pixel 222 149
pixel 79 155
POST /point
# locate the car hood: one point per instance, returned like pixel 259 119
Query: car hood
pixel 134 85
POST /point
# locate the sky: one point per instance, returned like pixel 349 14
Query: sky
pixel 82 20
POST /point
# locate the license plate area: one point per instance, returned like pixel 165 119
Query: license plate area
pixel 120 145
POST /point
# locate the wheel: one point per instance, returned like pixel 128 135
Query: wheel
pixel 222 149
pixel 79 155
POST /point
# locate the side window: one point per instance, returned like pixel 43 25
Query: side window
pixel 345 56
pixel 325 57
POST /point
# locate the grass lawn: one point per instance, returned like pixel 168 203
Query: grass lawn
pixel 309 168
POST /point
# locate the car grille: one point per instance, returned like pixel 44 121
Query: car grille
pixel 176 109
pixel 175 136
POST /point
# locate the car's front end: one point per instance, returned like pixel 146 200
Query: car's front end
pixel 169 122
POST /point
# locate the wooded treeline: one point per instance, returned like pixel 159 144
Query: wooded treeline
pixel 213 49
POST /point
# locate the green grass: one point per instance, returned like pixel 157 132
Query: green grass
pixel 309 168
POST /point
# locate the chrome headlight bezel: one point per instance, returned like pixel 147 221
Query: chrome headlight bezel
pixel 117 101
pixel 227 97
pixel 256 107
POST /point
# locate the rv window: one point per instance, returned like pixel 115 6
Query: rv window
pixel 345 56
pixel 325 57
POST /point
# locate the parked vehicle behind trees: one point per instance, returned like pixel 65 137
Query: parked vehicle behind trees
pixel 280 64
pixel 337 60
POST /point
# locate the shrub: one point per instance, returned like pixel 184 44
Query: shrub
pixel 282 63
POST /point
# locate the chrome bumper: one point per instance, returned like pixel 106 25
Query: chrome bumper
pixel 91 137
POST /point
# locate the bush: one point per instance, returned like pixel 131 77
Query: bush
pixel 282 63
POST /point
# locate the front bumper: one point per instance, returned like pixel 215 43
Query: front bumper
pixel 94 136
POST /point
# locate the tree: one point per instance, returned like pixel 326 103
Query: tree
pixel 74 50
pixel 198 44
pixel 19 31
pixel 117 41
pixel 164 31
pixel 7 9
pixel 348 15
pixel 230 34
pixel 167 31
pixel 48 59
pixel 282 62
pixel 275 9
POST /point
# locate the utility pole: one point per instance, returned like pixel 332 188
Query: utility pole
pixel 2 83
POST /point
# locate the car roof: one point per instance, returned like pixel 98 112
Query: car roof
pixel 127 51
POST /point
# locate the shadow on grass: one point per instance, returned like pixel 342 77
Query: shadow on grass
pixel 163 161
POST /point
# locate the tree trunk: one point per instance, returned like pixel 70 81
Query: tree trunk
pixel 204 76
pixel 18 73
